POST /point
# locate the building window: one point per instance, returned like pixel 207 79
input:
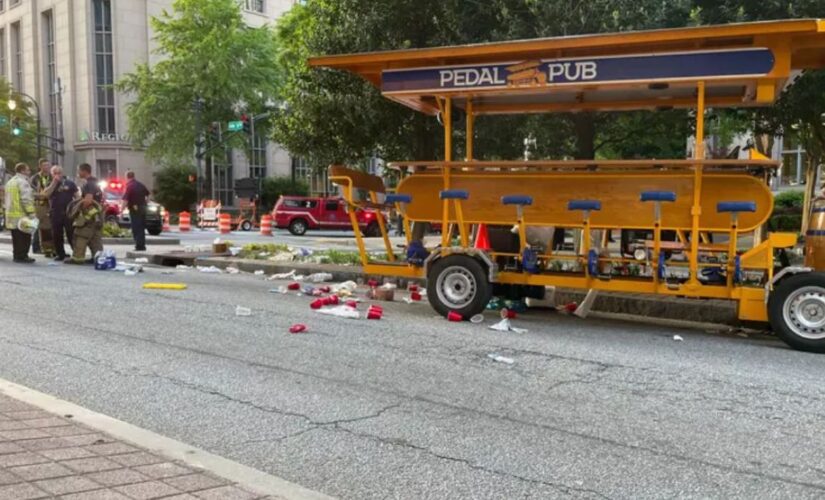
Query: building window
pixel 300 170
pixel 257 160
pixel 254 5
pixel 16 57
pixel 51 78
pixel 104 67
pixel 2 50
pixel 106 169
pixel 12 3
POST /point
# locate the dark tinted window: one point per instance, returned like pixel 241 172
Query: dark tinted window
pixel 300 203
pixel 331 206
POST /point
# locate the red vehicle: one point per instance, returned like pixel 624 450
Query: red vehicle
pixel 302 213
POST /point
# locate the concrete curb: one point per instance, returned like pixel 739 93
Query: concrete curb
pixel 150 240
pixel 247 477
pixel 673 308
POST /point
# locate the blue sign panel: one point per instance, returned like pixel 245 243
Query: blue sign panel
pixel 547 73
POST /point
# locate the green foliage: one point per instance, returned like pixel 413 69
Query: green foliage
pixel 262 250
pixel 785 222
pixel 274 187
pixel 209 53
pixel 789 199
pixel 339 257
pixel 17 149
pixel 173 189
pixel 112 230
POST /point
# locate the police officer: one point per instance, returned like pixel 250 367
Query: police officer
pixel 19 204
pixel 61 192
pixel 43 237
pixel 135 197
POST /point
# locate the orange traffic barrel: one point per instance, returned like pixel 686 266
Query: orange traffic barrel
pixel 815 237
pixel 185 223
pixel 225 223
pixel 166 226
pixel 266 225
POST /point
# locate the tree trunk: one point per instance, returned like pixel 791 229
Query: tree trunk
pixel 584 125
pixel 811 168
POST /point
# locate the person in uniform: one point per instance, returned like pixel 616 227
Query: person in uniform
pixel 43 237
pixel 90 189
pixel 61 193
pixel 19 201
pixel 87 222
pixel 135 196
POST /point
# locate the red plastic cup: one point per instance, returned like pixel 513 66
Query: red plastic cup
pixel 377 308
pixel 294 286
pixel 413 287
pixel 372 283
pixel 324 289
pixel 454 317
pixel 298 328
pixel 571 307
pixel 317 304
pixel 333 300
pixel 508 314
pixel 415 296
pixel 351 303
pixel 373 314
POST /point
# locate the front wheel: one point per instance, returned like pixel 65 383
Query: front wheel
pixel 458 283
pixel 298 227
pixel 246 225
pixel 155 231
pixel 796 310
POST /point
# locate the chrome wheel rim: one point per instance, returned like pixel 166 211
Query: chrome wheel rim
pixel 804 312
pixel 456 287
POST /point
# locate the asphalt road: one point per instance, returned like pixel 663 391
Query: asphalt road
pixel 412 406
pixel 314 240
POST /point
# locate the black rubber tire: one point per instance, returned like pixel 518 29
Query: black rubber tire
pixel 373 230
pixel 483 288
pixel 246 225
pixel 781 293
pixel 298 227
pixel 154 231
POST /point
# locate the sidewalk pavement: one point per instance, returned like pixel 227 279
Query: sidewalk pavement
pixel 43 455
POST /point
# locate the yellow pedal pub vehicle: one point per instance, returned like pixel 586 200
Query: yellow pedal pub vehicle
pixel 704 218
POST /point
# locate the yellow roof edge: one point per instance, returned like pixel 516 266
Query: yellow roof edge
pixel 787 26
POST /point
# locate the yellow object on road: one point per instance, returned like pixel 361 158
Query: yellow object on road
pixel 164 286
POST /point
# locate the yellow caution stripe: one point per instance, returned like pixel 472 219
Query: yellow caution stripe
pixel 164 286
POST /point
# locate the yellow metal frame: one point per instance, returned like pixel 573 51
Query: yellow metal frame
pixel 796 45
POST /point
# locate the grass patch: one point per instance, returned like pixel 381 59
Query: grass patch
pixel 112 230
pixel 262 251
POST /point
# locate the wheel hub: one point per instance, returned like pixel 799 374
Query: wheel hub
pixel 804 312
pixel 456 286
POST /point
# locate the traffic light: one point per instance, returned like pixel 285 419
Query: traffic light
pixel 16 129
pixel 214 132
pixel 247 124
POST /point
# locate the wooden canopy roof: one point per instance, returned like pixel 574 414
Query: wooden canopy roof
pixel 741 64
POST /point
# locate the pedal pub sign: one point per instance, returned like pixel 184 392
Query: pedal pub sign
pixel 751 62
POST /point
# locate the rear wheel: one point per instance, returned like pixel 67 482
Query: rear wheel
pixel 458 283
pixel 298 227
pixel 373 230
pixel 246 225
pixel 796 310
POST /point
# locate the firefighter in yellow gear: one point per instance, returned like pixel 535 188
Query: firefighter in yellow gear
pixel 40 182
pixel 87 220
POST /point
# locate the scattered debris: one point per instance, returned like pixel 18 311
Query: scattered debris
pixel 259 272
pixel 181 267
pixel 294 286
pixel 243 311
pixel 53 264
pixel 232 270
pixel 234 251
pixel 341 312
pixel 209 270
pixel 281 289
pixel 477 319
pixel 130 272
pixel 505 326
pixel 454 317
pixel 587 304
pixel 382 294
pixel 282 276
pixel 508 313
pixel 141 260
pixel 298 328
pixel 164 286
pixel 375 312
pixel 320 277
pixel 678 338
pixel 501 359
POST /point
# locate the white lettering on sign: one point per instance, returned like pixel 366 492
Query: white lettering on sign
pixel 572 71
pixel 471 77
pixel 108 137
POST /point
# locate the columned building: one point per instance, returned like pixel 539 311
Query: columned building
pixel 66 54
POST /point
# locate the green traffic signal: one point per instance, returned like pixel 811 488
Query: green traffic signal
pixel 15 128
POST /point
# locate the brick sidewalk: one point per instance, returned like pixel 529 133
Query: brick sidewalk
pixel 43 455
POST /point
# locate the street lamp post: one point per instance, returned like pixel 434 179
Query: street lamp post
pixel 13 106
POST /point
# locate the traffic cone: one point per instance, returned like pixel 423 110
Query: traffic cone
pixel 482 238
pixel 166 227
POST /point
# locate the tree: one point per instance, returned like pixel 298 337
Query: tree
pixel 175 189
pixel 275 187
pixel 15 149
pixel 335 117
pixel 209 54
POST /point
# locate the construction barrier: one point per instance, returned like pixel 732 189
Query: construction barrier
pixel 225 223
pixel 166 226
pixel 266 225
pixel 185 223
